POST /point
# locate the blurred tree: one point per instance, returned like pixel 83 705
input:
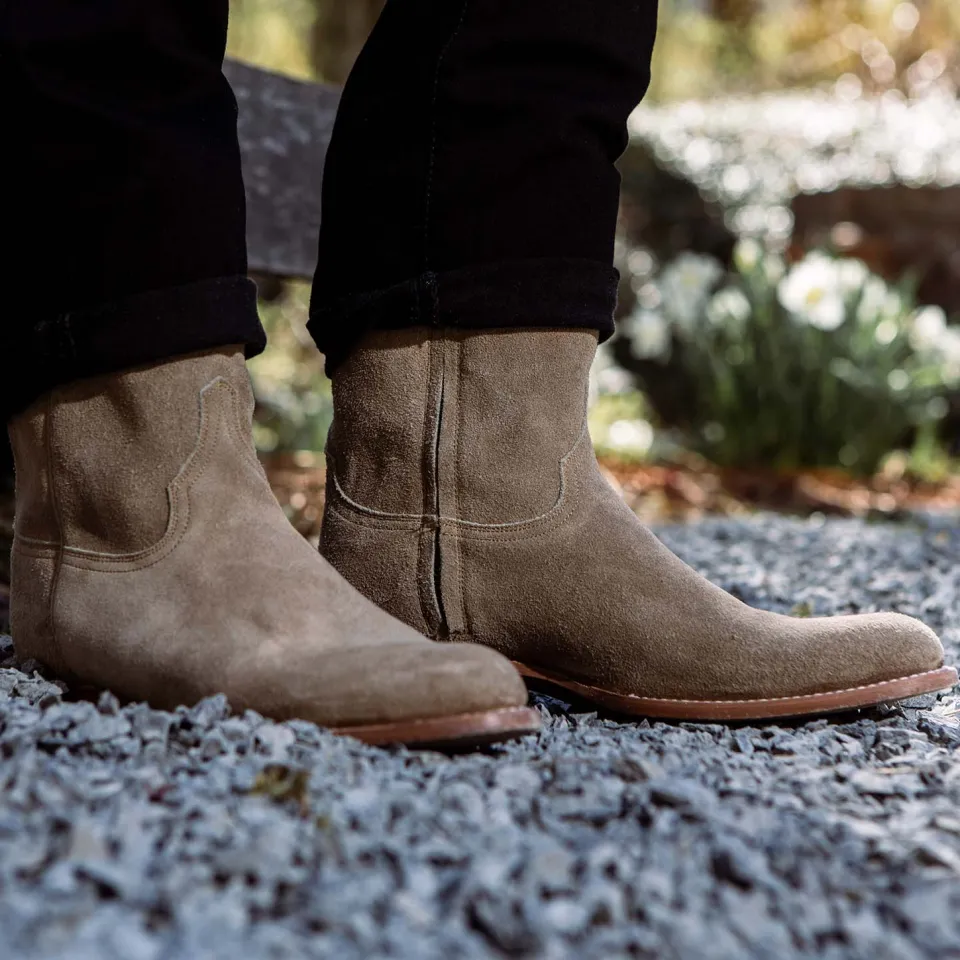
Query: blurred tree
pixel 339 32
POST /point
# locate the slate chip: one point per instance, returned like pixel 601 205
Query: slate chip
pixel 136 833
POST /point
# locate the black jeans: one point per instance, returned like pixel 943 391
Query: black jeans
pixel 470 181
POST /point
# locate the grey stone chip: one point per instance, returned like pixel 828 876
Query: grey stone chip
pixel 139 834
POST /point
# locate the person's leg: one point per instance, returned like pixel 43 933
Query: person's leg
pixel 150 555
pixel 123 196
pixel 477 220
pixel 470 180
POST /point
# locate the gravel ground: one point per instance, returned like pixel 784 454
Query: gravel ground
pixel 142 835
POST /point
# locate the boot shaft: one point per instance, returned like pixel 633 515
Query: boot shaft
pixel 467 426
pixel 440 437
pixel 94 459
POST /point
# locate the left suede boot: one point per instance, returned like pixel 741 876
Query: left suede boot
pixel 464 497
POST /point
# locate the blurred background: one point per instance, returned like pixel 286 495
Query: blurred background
pixel 790 291
pixel 790 271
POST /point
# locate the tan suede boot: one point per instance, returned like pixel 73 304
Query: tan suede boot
pixel 151 558
pixel 464 497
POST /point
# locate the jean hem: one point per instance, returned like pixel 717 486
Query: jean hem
pixel 137 330
pixel 549 292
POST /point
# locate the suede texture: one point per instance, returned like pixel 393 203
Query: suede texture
pixel 168 572
pixel 35 518
pixel 538 557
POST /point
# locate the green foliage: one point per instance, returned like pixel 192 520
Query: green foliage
pixel 927 460
pixel 817 364
pixel 294 403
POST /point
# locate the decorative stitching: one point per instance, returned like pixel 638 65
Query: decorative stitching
pixel 512 524
pixel 804 697
pixel 409 526
pixel 370 511
pixel 34 541
pixel 36 551
pixel 238 425
pixel 559 512
pixel 178 497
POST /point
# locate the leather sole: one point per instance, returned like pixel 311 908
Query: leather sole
pixel 460 731
pixel 831 701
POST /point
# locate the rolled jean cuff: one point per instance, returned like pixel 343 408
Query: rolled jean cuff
pixel 554 292
pixel 137 330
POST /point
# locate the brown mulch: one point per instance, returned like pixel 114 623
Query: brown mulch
pixel 298 480
pixel 683 492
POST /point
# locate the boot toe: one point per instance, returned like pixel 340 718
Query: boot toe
pixel 392 683
pixel 887 646
pixel 841 653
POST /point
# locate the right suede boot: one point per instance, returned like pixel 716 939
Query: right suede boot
pixel 464 497
pixel 151 558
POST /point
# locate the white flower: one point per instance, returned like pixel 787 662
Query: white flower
pixel 886 331
pixel 686 284
pixel 935 341
pixel 635 436
pixel 928 329
pixel 950 345
pixel 729 308
pixel 747 254
pixel 950 356
pixel 813 292
pixel 649 334
pixel 898 380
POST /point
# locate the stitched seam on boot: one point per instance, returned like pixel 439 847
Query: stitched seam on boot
pixel 561 495
pixel 177 497
pixel 512 524
pixel 471 524
pixel 333 464
pixel 38 550
pixel 348 514
pixel 545 522
pixel 411 524
pixel 238 426
pixel 541 518
pixel 555 513
pixel 371 511
pixel 822 694
pixel 33 541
